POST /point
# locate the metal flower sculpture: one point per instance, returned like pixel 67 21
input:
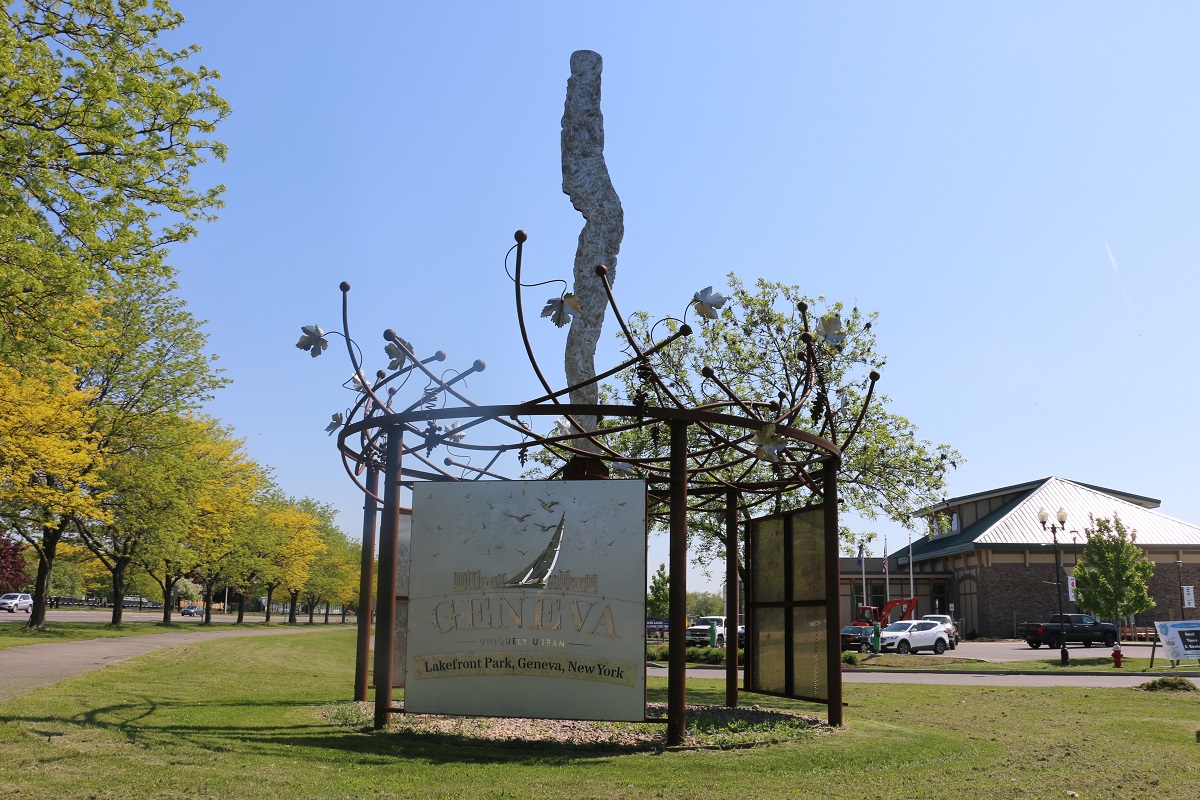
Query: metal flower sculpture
pixel 561 310
pixel 312 339
pixel 707 302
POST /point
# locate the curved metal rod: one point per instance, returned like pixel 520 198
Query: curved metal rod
pixel 862 412
pixel 521 238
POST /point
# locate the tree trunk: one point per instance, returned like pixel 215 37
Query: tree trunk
pixel 292 607
pixel 312 607
pixel 326 612
pixel 118 588
pixel 167 584
pixel 41 589
pixel 241 608
pixel 207 603
pixel 270 593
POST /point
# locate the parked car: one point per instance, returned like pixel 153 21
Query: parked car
pixel 741 636
pixel 912 635
pixel 697 634
pixel 16 601
pixel 857 638
pixel 948 623
pixel 1068 628
pixel 193 611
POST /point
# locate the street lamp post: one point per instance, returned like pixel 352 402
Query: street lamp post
pixel 1043 516
pixel 1179 570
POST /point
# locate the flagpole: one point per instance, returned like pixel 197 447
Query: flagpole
pixel 887 580
pixel 911 591
pixel 862 560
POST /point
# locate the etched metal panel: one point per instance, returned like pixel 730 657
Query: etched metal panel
pixel 528 599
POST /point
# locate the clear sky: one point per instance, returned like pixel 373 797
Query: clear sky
pixel 1014 187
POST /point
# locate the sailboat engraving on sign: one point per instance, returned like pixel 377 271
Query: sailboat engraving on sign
pixel 537 572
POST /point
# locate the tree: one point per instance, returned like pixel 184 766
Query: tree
pixel 100 129
pixel 704 604
pixel 14 571
pixel 48 447
pixel 292 538
pixel 146 367
pixel 1112 578
pixel 152 484
pixel 756 346
pixel 658 599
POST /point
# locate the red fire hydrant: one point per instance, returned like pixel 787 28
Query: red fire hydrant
pixel 1116 654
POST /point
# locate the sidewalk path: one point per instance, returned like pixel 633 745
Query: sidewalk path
pixel 29 667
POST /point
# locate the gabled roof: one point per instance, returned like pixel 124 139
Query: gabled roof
pixel 1015 524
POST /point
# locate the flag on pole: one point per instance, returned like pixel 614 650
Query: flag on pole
pixel 885 565
pixel 860 554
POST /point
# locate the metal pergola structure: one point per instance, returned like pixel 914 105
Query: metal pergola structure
pixel 711 463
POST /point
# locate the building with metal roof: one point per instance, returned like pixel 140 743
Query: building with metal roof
pixel 989 555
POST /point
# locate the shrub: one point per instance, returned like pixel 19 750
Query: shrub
pixel 1169 685
pixel 850 659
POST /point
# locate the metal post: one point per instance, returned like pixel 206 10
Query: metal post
pixel 1064 657
pixel 731 598
pixel 385 624
pixel 833 650
pixel 677 649
pixel 1182 610
pixel 362 663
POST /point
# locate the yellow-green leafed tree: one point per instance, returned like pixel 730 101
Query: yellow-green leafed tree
pixel 225 509
pixel 295 541
pixel 47 451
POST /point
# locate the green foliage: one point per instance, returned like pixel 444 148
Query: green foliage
pixel 755 347
pixel 704 604
pixel 850 659
pixel 1113 576
pixel 100 129
pixel 658 599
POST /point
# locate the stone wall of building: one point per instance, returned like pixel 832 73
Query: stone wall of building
pixel 1009 593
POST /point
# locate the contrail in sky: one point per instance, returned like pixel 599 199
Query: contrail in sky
pixel 1117 274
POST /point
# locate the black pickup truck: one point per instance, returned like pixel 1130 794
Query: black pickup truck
pixel 1067 628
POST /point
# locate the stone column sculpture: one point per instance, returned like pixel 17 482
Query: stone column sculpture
pixel 586 182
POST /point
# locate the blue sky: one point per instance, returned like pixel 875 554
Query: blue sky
pixel 1013 187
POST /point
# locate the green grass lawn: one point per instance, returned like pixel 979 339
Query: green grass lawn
pixel 247 718
pixel 1097 663
pixel 16 635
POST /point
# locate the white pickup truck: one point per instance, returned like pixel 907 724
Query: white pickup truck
pixel 699 633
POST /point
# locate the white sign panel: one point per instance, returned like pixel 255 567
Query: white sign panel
pixel 528 599
pixel 1071 588
pixel 1180 639
pixel 1189 596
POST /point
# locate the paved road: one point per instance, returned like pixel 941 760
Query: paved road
pixel 31 667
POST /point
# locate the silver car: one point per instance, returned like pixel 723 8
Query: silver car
pixel 16 601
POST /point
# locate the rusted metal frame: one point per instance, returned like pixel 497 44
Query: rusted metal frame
pixel 862 412
pixel 677 624
pixel 479 471
pixel 609 373
pixel 833 655
pixel 365 576
pixel 385 626
pixel 383 379
pixel 349 455
pixel 521 237
pixel 789 613
pixel 731 597
pixel 444 386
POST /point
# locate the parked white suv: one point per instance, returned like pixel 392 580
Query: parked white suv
pixel 14 602
pixel 911 635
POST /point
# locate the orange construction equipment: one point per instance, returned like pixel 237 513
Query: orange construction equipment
pixel 869 615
